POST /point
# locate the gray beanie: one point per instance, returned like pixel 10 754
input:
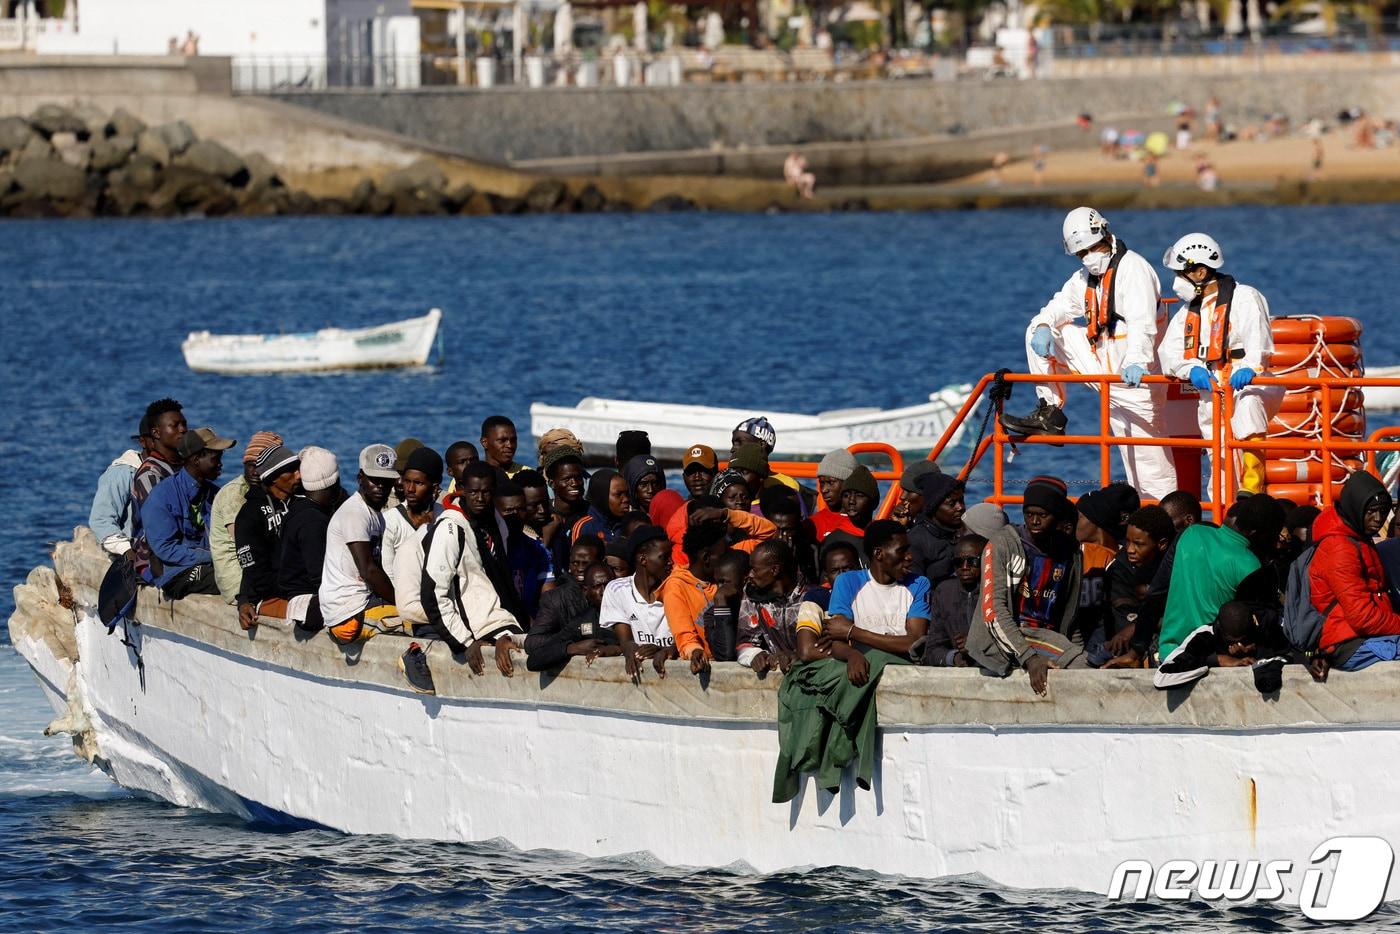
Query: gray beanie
pixel 838 464
pixel 909 480
pixel 986 519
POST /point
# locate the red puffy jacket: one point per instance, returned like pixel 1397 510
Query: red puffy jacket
pixel 1346 574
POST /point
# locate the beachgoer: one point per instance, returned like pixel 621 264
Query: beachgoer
pixel 1209 563
pixel 356 595
pixel 1149 170
pixel 796 174
pixel 110 517
pixel 632 605
pixel 257 533
pixel 1318 155
pixel 498 444
pixel 1135 618
pixel 690 589
pixel 1221 332
pixel 952 605
pixel 644 478
pixel 304 536
pixel 420 480
pixel 1348 580
pixel 176 517
pixel 772 602
pixel 1117 291
pixel 531 566
pixel 567 624
pixel 1030 588
pixel 699 468
pixel 886 605
pixel 167 428
pixel 1038 164
pixel 228 571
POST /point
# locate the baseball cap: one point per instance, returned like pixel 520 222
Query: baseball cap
pixel 378 460
pixel 201 439
pixel 143 428
pixel 701 454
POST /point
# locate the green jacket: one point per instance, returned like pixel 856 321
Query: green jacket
pixel 1208 565
pixel 825 721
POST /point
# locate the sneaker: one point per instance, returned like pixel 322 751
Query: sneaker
pixel 1047 419
pixel 414 665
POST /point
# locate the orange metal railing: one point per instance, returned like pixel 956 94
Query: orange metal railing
pixel 1222 442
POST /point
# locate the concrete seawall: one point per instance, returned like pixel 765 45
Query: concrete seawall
pixel 931 129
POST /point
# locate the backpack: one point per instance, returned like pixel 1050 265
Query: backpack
pixel 1302 622
pixel 116 597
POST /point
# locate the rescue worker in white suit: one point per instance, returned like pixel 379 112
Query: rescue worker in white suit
pixel 1221 332
pixel 1116 292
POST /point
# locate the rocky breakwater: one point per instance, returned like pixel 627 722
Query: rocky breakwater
pixel 61 162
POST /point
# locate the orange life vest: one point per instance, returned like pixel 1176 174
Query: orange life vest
pixel 1221 291
pixel 1102 316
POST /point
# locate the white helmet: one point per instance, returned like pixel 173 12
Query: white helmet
pixel 1083 228
pixel 1194 249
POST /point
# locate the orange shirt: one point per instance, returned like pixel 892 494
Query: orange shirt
pixel 756 528
pixel 685 598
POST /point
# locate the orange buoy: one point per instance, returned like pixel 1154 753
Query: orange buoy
pixel 1331 357
pixel 1306 423
pixel 1308 471
pixel 1306 400
pixel 1305 329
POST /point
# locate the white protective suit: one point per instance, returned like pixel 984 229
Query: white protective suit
pixel 1133 412
pixel 1251 333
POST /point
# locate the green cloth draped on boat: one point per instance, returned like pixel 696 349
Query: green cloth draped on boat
pixel 825 721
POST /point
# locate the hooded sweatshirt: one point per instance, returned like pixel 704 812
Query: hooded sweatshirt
pixel 634 470
pixel 930 540
pixel 1346 575
pixel 1021 586
pixel 458 595
pixel 600 522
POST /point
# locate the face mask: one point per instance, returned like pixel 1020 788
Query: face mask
pixel 1185 289
pixel 1097 263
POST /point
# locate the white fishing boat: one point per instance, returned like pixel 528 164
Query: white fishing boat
pixel 674 428
pixel 972 774
pixel 1383 398
pixel 397 344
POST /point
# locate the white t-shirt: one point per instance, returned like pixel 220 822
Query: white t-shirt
pixel 397 532
pixel 623 603
pixel 343 592
pixel 880 608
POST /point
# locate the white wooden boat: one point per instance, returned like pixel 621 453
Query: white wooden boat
pixel 974 774
pixel 1383 398
pixel 399 343
pixel 674 428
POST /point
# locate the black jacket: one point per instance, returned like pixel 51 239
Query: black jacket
pixel 303 546
pixel 257 534
pixel 932 547
pixel 952 607
pixel 564 612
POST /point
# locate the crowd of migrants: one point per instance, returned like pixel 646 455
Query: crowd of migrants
pixel 752 567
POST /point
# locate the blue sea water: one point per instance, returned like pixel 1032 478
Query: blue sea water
pixel 770 313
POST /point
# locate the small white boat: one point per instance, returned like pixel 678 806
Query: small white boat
pixel 1383 398
pixel 674 428
pixel 399 343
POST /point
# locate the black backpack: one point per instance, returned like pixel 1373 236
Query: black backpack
pixel 116 598
pixel 1302 622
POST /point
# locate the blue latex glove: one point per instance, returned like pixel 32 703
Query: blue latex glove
pixel 1132 376
pixel 1241 378
pixel 1201 379
pixel 1040 341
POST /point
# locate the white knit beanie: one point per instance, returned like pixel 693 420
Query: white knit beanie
pixel 319 469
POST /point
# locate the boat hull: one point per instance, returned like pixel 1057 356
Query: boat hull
pixel 974 775
pixel 399 344
pixel 674 428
